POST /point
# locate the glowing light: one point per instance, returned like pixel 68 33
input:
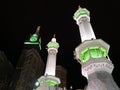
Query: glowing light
pixel 34 38
pixel 85 55
pixel 94 52
pixel 51 83
pixel 79 12
pixel 37 83
pixel 53 44
pixel 32 43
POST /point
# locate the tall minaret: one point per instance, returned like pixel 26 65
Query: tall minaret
pixel 30 65
pixel 49 81
pixel 92 54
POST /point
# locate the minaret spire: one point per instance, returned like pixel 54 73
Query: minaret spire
pixel 54 36
pixel 37 30
pixel 79 6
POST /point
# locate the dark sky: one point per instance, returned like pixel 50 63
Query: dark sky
pixel 20 18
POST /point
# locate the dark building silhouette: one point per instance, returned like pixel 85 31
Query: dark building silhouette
pixel 6 71
pixel 30 66
pixel 61 73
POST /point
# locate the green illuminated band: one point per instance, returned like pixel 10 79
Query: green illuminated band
pixel 34 38
pixel 31 42
pixel 53 44
pixel 94 52
pixel 80 12
pixel 51 83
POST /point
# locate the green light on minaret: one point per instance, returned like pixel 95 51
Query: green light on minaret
pixel 34 38
pixel 94 52
pixel 51 83
pixel 53 43
pixel 85 55
pixel 80 11
pixel 31 42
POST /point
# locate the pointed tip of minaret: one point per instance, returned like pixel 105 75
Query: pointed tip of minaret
pixel 54 35
pixel 38 29
pixel 79 6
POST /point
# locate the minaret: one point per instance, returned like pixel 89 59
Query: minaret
pixel 30 65
pixel 92 54
pixel 51 59
pixel 49 81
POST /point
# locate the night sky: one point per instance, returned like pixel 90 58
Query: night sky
pixel 20 18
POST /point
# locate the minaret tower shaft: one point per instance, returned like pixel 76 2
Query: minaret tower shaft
pixel 49 81
pixel 92 54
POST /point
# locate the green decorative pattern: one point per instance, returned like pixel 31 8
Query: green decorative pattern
pixel 53 44
pixel 80 12
pixel 94 52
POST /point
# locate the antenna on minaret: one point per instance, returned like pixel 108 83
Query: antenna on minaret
pixel 38 28
pixel 79 6
pixel 54 35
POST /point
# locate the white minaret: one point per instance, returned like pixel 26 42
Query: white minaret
pixel 51 59
pixel 49 81
pixel 92 54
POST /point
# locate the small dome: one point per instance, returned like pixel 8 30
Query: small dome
pixel 53 39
